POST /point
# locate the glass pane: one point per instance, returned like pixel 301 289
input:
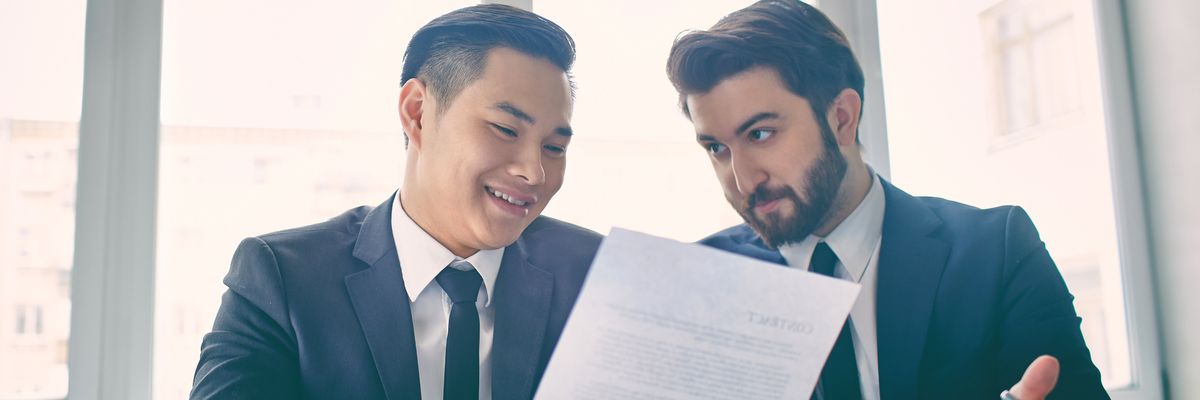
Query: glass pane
pixel 1017 91
pixel 947 110
pixel 1054 72
pixel 41 83
pixel 634 162
pixel 282 117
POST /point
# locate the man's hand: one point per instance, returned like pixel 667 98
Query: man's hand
pixel 1038 381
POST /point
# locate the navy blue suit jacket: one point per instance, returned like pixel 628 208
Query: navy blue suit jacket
pixel 321 312
pixel 966 300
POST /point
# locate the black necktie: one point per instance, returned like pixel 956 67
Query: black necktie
pixel 839 377
pixel 462 339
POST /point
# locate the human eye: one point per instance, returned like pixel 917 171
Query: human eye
pixel 555 150
pixel 714 148
pixel 758 135
pixel 504 130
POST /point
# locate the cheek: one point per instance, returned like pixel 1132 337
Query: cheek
pixel 478 160
pixel 728 184
pixel 555 170
pixel 725 176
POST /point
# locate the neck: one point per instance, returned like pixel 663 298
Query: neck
pixel 413 205
pixel 851 192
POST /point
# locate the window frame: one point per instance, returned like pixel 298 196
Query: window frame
pixel 1125 171
pixel 112 291
pixel 113 284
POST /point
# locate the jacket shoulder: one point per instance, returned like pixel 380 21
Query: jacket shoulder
pixel 731 236
pixel 346 223
pixel 1009 224
pixel 548 241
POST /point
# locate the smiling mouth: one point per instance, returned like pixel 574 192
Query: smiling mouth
pixel 506 197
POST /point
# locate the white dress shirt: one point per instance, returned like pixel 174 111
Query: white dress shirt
pixel 856 243
pixel 422 258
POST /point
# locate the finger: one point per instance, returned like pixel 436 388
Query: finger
pixel 1039 379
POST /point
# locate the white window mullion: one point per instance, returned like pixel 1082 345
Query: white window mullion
pixel 112 291
pixel 859 21
pixel 1129 202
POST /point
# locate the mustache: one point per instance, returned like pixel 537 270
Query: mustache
pixel 763 194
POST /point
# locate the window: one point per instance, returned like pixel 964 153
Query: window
pixel 41 76
pixel 1030 71
pixel 283 117
pixel 289 107
pixel 1030 46
pixel 634 154
pixel 20 325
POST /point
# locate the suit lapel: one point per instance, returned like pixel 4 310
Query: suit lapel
pixel 910 269
pixel 382 306
pixel 523 298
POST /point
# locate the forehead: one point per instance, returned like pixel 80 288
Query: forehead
pixel 534 85
pixel 740 97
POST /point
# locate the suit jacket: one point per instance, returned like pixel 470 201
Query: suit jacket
pixel 966 300
pixel 320 312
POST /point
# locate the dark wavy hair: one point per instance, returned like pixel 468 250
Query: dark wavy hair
pixel 809 52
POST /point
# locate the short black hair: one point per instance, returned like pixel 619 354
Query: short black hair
pixel 451 51
pixel 810 53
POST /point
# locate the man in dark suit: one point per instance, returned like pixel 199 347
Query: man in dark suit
pixel 454 287
pixel 956 301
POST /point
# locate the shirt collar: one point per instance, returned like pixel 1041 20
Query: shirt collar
pixel 854 241
pixel 422 258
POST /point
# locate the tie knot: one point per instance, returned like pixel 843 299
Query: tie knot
pixel 461 285
pixel 823 260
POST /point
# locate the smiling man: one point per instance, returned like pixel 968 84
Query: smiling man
pixel 956 301
pixel 455 287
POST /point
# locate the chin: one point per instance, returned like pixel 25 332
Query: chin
pixel 502 238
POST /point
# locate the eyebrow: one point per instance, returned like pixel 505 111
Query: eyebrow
pixel 516 112
pixel 524 116
pixel 754 120
pixel 743 127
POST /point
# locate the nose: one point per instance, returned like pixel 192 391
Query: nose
pixel 528 166
pixel 747 175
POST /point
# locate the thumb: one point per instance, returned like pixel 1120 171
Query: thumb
pixel 1039 379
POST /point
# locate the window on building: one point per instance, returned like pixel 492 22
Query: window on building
pixel 41 84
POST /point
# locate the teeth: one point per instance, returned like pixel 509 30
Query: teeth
pixel 508 198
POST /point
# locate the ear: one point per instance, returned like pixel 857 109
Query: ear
pixel 413 104
pixel 843 116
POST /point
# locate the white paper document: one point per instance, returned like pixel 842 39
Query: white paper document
pixel 660 319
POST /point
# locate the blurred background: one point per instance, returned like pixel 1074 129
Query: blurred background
pixel 140 140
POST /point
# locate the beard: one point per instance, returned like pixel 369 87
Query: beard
pixel 824 179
